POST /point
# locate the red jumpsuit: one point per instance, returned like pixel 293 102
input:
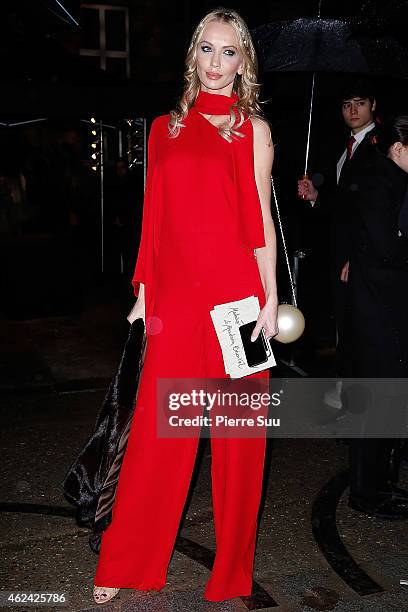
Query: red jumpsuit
pixel 196 251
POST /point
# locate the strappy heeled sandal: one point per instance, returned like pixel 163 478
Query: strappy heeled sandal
pixel 103 594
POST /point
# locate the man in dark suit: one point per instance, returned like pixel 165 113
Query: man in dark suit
pixel 335 197
pixel 378 299
pixel 369 458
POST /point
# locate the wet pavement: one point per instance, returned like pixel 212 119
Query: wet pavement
pixel 313 552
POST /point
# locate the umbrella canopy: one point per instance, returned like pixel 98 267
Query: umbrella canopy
pixel 373 43
pixel 330 45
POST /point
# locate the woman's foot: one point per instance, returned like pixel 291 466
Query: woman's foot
pixel 103 594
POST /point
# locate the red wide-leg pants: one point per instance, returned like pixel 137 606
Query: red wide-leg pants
pixel 156 472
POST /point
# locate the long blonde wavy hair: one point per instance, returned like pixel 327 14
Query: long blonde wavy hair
pixel 245 85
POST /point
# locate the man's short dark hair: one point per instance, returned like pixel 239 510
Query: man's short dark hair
pixel 358 88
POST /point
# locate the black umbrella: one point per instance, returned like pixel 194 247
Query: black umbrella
pixel 330 45
pixel 368 44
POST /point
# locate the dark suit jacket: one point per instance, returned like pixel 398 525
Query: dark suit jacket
pixel 377 291
pixel 338 200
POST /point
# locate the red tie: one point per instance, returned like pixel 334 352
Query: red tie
pixel 350 143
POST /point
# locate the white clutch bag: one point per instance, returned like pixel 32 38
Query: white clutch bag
pixel 234 322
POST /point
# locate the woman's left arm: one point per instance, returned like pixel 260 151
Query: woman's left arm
pixel 265 256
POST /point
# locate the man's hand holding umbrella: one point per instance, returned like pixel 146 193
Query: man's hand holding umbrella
pixel 306 190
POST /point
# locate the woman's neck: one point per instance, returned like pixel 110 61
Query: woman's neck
pixel 391 155
pixel 225 91
pixel 394 158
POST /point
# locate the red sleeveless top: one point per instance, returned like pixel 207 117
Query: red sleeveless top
pixel 189 172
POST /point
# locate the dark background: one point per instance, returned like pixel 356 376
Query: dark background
pixel 55 66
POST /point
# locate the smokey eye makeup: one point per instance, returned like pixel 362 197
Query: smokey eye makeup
pixel 207 48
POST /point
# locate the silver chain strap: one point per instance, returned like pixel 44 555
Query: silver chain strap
pixel 292 285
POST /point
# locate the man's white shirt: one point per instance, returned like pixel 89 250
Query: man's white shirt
pixel 359 137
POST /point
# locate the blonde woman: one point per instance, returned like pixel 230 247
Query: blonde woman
pixel 207 238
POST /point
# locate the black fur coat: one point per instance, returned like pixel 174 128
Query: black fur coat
pixel 90 483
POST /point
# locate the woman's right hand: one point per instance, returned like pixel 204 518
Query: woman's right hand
pixel 138 310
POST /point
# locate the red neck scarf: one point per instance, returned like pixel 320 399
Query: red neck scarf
pixel 248 202
pixel 214 104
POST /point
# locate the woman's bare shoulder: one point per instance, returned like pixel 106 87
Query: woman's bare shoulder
pixel 262 130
